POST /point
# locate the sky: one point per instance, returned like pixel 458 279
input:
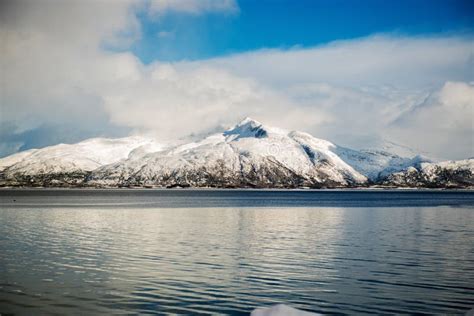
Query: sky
pixel 359 73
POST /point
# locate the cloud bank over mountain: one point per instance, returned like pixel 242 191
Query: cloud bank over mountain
pixel 66 70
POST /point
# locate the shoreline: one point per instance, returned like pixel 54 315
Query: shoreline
pixel 351 189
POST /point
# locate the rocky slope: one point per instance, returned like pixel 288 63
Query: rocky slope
pixel 248 155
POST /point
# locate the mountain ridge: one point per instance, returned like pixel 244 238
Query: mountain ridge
pixel 249 154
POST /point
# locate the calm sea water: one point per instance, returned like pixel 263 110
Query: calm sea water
pixel 207 252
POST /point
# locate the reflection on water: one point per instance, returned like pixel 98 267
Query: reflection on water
pixel 230 260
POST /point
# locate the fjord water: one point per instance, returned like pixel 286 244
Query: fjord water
pixel 208 251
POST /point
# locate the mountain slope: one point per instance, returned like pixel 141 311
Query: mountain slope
pixel 444 174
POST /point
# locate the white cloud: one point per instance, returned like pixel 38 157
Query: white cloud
pixel 175 103
pixel 458 95
pixel 54 69
pixel 380 60
pixel 159 7
pixel 443 124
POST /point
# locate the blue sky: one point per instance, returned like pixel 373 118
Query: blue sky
pixel 286 24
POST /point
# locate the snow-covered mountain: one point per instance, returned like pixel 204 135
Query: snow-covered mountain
pixel 444 174
pixel 64 161
pixel 377 164
pixel 249 154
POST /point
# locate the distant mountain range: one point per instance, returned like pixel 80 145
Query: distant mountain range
pixel 249 155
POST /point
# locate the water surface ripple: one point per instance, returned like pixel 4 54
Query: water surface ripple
pixel 59 256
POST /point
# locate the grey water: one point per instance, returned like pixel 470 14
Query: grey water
pixel 230 251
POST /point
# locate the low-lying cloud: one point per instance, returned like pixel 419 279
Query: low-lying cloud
pixel 442 124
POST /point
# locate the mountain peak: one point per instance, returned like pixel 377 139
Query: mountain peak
pixel 249 120
pixel 248 127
